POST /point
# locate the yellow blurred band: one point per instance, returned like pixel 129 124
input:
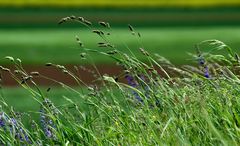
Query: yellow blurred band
pixel 120 3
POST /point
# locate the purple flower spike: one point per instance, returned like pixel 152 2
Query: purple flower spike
pixel 131 81
pixel 14 127
pixel 134 84
pixel 201 61
pixel 2 120
pixel 48 132
pixel 206 73
pixel 47 124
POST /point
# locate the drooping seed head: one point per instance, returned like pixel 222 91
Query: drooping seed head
pixel 34 73
pixel 48 89
pixel 139 35
pixel 81 19
pixel 144 52
pixel 99 32
pixel 83 55
pixel 25 79
pixel 60 67
pixel 102 23
pixel 10 58
pixel 19 60
pixel 4 69
pixel 73 17
pixel 236 57
pixel 48 64
pixel 87 22
pixel 130 27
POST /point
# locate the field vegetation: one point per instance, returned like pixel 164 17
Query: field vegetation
pixel 199 106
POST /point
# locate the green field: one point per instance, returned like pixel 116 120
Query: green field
pixel 199 106
pixel 196 104
pixel 22 100
pixel 38 46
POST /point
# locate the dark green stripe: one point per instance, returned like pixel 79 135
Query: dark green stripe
pixel 46 17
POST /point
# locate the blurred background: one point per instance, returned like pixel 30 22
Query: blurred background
pixel 29 29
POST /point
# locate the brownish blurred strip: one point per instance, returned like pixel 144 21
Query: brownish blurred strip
pixel 56 74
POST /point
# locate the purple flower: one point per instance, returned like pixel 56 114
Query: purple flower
pixel 206 73
pixel 134 84
pixel 47 124
pixel 2 120
pixel 131 81
pixel 14 128
pixel 48 132
pixel 19 132
pixel 201 61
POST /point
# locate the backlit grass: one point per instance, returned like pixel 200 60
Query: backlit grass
pixel 199 106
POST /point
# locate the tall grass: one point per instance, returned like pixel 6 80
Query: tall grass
pixel 158 104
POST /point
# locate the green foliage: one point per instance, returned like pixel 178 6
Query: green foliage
pixel 160 105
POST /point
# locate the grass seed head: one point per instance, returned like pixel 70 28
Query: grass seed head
pixel 78 41
pixel 81 19
pixel 112 52
pixel 139 35
pixel 60 67
pixel 4 69
pixel 144 52
pixel 65 71
pixel 102 23
pixel 62 21
pixel 103 45
pixel 83 55
pixel 68 18
pixel 35 73
pixel 108 25
pixel 19 60
pixel 73 17
pixel 130 27
pixel 99 32
pixel 17 71
pixel 10 58
pixel 48 89
pixel 236 57
pixel 77 38
pixel 87 22
pixel 48 64
pixel 25 79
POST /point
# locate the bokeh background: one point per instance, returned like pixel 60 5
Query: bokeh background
pixel 29 29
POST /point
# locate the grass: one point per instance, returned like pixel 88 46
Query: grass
pixel 21 99
pixel 199 106
pixel 38 46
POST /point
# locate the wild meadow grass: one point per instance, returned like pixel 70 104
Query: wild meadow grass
pixel 158 104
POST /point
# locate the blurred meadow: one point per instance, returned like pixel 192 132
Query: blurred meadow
pixel 29 30
pixel 44 65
